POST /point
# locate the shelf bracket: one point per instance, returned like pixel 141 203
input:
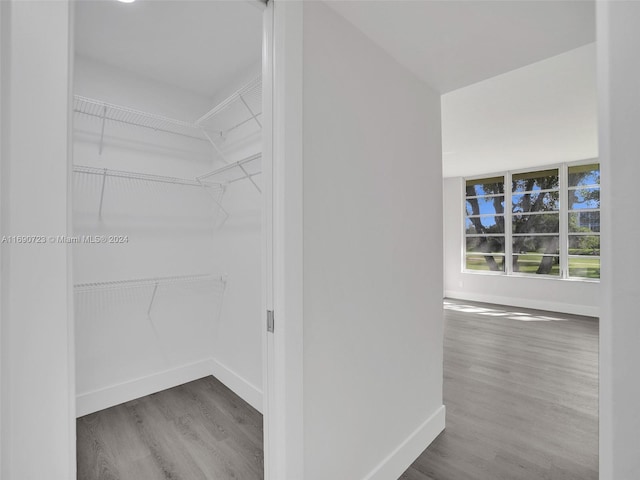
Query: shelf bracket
pixel 104 120
pixel 153 297
pixel 250 111
pixel 246 174
pixel 104 181
pixel 215 146
pixel 216 201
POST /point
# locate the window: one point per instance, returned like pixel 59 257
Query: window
pixel 484 225
pixel 551 228
pixel 535 222
pixel 583 200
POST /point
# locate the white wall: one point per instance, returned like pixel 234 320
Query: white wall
pixel 38 427
pixel 619 76
pixel 372 272
pixel 193 329
pixel 569 296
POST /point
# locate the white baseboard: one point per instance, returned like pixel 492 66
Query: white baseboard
pixel 240 386
pixel 526 303
pixel 406 453
pixel 96 400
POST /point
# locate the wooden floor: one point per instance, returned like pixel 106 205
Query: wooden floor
pixel 197 431
pixel 521 391
pixel 520 386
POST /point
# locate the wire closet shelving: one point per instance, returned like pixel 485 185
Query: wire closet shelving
pixel 117 113
pixel 146 282
pixel 154 282
pixel 247 99
pixel 247 168
pixel 215 190
pixel 240 108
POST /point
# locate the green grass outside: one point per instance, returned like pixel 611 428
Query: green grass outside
pixel 579 267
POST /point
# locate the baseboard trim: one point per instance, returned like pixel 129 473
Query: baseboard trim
pixel 239 385
pixel 100 399
pixel 410 449
pixel 525 303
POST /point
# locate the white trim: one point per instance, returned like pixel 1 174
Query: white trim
pixel 560 307
pixel 238 384
pixel 406 453
pixel 93 401
pixel 508 224
pixel 71 320
pixel 284 383
pixel 586 161
pixel 591 186
pixel 4 92
pixel 268 364
pixel 608 449
pixel 96 400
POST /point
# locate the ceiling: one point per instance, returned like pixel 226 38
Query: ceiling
pixel 537 115
pixel 200 46
pixel 452 44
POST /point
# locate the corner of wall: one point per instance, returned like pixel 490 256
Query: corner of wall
pixel 394 465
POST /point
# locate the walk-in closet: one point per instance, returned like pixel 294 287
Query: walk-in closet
pixel 167 218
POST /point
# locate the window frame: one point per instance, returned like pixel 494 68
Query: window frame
pixel 563 212
pixel 464 226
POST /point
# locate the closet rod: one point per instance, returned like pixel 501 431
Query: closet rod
pixel 141 176
pixel 149 282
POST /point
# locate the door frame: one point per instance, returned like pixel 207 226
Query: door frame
pixel 283 245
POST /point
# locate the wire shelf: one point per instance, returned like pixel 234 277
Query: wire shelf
pixel 117 113
pixel 247 168
pixel 214 190
pixel 142 176
pixel 148 282
pixel 237 112
pixel 240 108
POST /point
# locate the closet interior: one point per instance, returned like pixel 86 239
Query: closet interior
pixel 167 205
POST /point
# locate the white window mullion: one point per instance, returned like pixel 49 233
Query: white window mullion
pixel 564 221
pixel 508 224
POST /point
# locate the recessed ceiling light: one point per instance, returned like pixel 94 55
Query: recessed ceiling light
pixel 126 1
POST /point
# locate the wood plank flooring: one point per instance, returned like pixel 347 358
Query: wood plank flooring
pixel 521 391
pixel 197 431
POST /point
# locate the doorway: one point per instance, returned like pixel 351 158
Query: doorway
pixel 168 231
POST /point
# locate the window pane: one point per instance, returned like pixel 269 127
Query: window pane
pixel 536 264
pixel 584 175
pixel 584 267
pixel 535 202
pixel 584 198
pixel 485 244
pixel 485 205
pixel 485 186
pixel 541 223
pixel 584 222
pixel 484 225
pixel 492 263
pixel 584 245
pixel 547 244
pixel 538 180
